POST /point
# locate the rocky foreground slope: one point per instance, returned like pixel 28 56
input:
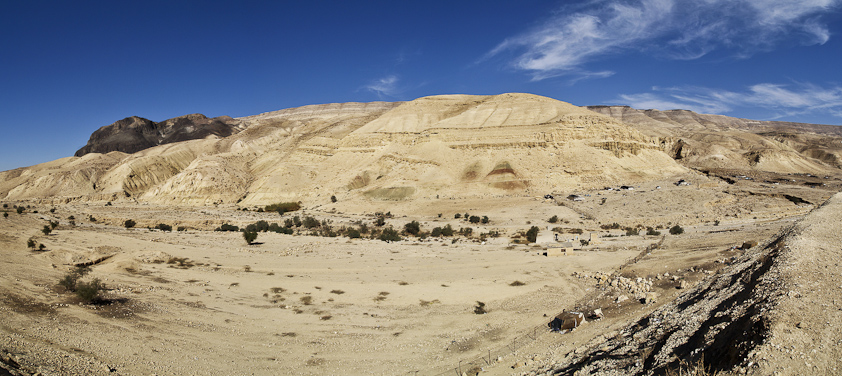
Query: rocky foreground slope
pixel 776 310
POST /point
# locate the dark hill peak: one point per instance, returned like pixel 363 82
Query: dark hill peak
pixel 135 133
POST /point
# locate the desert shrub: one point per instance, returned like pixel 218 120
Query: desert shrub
pixel 412 228
pixel 41 247
pixel 467 231
pixel 379 221
pixel 474 219
pixel 632 231
pixel 676 230
pixel 532 234
pixel 47 230
pixel 310 222
pixel 30 243
pixel 5 206
pixel 484 219
pixel 89 291
pixel 576 231
pixel 108 203
pixel 20 209
pixel 337 292
pixel 296 221
pixel 91 218
pixel 227 227
pixel 71 218
pixel 306 299
pixel 457 215
pixel 70 279
pixel 249 236
pixel 363 228
pixel 5 215
pixel 259 226
pixel 181 228
pixel 612 226
pixel 332 198
pixel 553 219
pixel 163 227
pixel 716 222
pixel 447 230
pixel 652 231
pixel 436 232
pixel 479 309
pixel 283 207
pixel 389 235
pixel 353 233
pixel 517 283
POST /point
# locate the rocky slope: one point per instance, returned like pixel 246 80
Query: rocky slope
pixel 455 145
pixel 773 311
pixel 134 134
pixel 721 142
pixel 432 147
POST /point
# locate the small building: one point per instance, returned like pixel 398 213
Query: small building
pixel 567 321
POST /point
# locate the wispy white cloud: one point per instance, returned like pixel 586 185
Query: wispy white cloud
pixel 679 29
pixel 386 86
pixel 779 100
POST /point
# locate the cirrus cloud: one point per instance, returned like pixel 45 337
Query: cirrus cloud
pixel 674 29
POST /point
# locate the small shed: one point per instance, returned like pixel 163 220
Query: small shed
pixel 567 321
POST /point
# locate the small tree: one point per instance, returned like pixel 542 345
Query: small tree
pixel 30 243
pixel 676 230
pixel 249 236
pixel 532 234
pixel 447 230
pixel 413 228
pixel 89 292
pixel 129 223
pixel 390 235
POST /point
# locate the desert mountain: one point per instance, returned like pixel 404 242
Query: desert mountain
pixel 134 134
pixel 447 146
pixel 722 142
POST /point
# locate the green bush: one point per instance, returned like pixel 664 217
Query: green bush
pixel 227 227
pixel 412 228
pixel 436 232
pixel 89 292
pixel 129 223
pixel 632 231
pixel 164 227
pixel 249 236
pixel 484 219
pixel 532 234
pixel 353 233
pixel 47 230
pixel 70 279
pixel 390 235
pixel 379 221
pixel 652 231
pixel 457 216
pixel 676 230
pixel 447 231
pixel 310 222
pixel 553 219
pixel 474 219
pixel 283 207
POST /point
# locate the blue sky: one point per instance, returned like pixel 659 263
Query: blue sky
pixel 68 68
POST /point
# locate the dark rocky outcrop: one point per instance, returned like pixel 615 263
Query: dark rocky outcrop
pixel 134 134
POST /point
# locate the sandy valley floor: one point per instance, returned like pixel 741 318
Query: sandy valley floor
pixel 204 302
